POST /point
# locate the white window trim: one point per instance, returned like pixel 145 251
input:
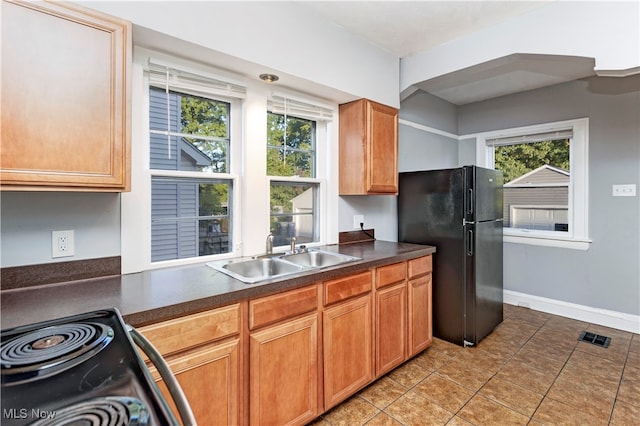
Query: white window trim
pixel 578 237
pixel 248 167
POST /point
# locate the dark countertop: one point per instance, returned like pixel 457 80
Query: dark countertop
pixel 162 294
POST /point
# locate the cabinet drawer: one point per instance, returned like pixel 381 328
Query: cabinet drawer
pixel 420 266
pixel 274 308
pixel 192 330
pixel 347 287
pixel 391 274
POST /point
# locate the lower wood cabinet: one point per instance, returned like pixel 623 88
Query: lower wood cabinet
pixel 420 325
pixel 209 379
pixel 284 373
pixel 347 348
pixel 391 327
pixel 204 352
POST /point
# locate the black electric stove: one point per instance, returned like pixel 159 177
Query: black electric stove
pixel 78 370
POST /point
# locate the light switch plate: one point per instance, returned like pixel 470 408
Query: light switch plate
pixel 624 190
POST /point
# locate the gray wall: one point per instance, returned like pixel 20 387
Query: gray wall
pixel 606 275
pixel 29 217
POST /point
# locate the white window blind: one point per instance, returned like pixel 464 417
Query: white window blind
pixel 198 82
pixel 536 137
pixel 279 104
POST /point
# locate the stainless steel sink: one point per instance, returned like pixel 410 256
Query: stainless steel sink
pixel 274 266
pixel 254 270
pixel 318 258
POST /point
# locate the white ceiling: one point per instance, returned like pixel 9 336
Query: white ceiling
pixel 406 27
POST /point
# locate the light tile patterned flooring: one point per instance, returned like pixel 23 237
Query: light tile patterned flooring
pixel 531 370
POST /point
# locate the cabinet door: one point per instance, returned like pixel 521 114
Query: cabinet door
pixel 283 377
pixel 420 323
pixel 391 313
pixel 209 377
pixel 382 176
pixel 65 115
pixel 347 337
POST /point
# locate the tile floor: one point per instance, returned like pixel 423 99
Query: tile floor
pixel 530 370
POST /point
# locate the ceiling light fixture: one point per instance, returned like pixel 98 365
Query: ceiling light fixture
pixel 269 78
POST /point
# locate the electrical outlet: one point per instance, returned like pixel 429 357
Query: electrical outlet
pixel 357 220
pixel 624 190
pixel 62 244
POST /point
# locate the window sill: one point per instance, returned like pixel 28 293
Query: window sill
pixel 536 240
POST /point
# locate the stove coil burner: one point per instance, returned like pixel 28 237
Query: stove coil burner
pixel 49 350
pixel 107 411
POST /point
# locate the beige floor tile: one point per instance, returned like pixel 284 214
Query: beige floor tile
pixel 432 359
pixel 560 351
pixel 319 422
pixel 446 348
pixel 515 397
pixel 530 316
pixel 408 374
pixel 383 419
pixel 354 411
pixel 458 421
pixel 630 386
pixel 552 412
pixel 484 360
pixel 596 365
pixel 466 375
pixel 383 392
pixel 616 352
pixel 624 414
pixel 482 411
pixel 527 377
pixel 443 392
pixel 412 409
pixel 540 362
pixel 595 401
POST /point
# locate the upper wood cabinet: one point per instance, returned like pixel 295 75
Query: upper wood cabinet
pixel 65 98
pixel 368 148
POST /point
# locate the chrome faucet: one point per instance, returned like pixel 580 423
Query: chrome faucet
pixel 293 244
pixel 270 244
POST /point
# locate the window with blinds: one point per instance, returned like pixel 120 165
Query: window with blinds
pixel 190 144
pixel 293 126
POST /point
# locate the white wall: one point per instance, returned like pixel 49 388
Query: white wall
pixel 604 30
pixel 283 36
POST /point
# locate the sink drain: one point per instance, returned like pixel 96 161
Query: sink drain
pixel 595 339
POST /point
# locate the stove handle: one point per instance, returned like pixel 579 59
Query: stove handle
pixel 165 372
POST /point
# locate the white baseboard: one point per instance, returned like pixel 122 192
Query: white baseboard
pixel 604 317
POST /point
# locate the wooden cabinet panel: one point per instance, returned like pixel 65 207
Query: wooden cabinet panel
pixel 347 287
pixel 391 274
pixel 382 150
pixel 284 373
pixel 420 266
pixel 270 309
pixel 192 330
pixel 65 98
pixel 391 327
pixel 347 349
pixel 368 155
pixel 420 323
pixel 209 377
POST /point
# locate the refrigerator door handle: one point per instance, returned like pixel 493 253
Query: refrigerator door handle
pixel 470 242
pixel 470 202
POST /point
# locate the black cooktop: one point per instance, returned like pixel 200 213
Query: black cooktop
pixel 77 370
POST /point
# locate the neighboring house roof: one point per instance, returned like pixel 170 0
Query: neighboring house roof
pixel 542 176
pixel 199 157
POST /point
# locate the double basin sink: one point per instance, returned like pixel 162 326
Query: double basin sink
pixel 275 266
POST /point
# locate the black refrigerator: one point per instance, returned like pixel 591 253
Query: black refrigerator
pixel 460 212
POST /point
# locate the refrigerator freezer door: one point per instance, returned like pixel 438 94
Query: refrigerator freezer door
pixel 487 194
